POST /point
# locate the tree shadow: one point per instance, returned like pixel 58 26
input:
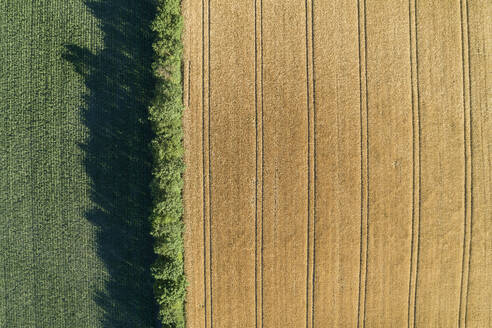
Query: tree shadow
pixel 120 86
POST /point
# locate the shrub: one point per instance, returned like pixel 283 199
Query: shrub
pixel 165 116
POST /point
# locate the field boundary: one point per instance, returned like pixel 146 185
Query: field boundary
pixel 165 114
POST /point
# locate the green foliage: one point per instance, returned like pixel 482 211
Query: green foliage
pixel 165 116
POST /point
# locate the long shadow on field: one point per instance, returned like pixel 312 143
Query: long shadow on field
pixel 118 159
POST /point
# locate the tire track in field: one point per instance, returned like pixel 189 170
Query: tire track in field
pixel 416 166
pixel 419 134
pixel 209 170
pixel 470 134
pixel 479 288
pixel 367 174
pixel 262 156
pixel 189 84
pixel 314 164
pixel 205 300
pixel 468 191
pixel 256 167
pixel 367 164
pixel 364 135
pixel 259 166
pixel 310 162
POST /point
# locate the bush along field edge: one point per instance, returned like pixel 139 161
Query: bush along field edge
pixel 165 114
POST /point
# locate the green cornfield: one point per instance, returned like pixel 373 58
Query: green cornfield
pixel 76 166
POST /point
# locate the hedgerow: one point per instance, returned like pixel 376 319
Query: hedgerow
pixel 165 116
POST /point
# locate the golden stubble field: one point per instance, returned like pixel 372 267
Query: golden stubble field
pixel 338 163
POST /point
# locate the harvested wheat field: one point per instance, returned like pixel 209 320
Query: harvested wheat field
pixel 338 163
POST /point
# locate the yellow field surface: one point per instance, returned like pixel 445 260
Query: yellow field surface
pixel 338 163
